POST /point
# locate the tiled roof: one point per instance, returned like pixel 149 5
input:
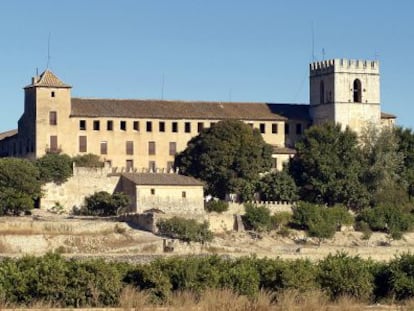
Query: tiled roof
pixel 292 111
pixel 167 109
pixel 48 79
pixel 158 179
pixel 7 134
pixel 385 115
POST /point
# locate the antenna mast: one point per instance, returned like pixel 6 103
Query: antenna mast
pixel 48 51
pixel 313 43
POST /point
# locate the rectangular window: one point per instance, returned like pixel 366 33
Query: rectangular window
pixel 162 126
pixel 286 128
pixel 298 128
pixel 274 163
pixel 174 127
pixel 152 166
pixel 187 127
pixel 129 165
pixel 53 143
pixel 173 148
pixel 170 166
pixel 149 126
pixel 129 147
pixel 52 94
pixel 96 125
pixel 151 147
pixel 83 144
pixel 274 128
pixel 52 118
pixel 183 194
pixel 135 125
pixel 82 125
pixel 262 127
pixel 152 191
pixel 110 125
pixel 122 125
pixel 104 147
pixel 200 126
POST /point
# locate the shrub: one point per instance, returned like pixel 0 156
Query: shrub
pixel 280 220
pixel 188 230
pixel 104 204
pixel 257 217
pixel 217 206
pixel 399 277
pixel 343 275
pixel 278 186
pixel 54 167
pixel 88 160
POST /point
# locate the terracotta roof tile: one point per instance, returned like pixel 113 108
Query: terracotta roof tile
pixel 162 179
pixel 385 115
pixel 48 79
pixel 8 134
pixel 167 109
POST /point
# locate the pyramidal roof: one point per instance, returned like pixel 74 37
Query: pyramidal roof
pixel 48 79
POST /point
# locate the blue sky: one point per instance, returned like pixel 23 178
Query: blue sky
pixel 219 50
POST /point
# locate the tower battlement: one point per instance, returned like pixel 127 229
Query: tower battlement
pixel 344 65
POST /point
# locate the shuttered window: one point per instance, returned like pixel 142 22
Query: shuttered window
pixel 83 144
pixel 130 147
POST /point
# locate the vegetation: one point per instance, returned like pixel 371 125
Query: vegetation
pixel 103 203
pixel 229 157
pixel 188 230
pixel 54 167
pixel 257 217
pixel 217 206
pixel 19 186
pixel 95 283
pixel 278 186
pixel 88 160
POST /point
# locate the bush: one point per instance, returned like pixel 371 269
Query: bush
pixel 88 160
pixel 217 206
pixel 54 167
pixel 188 230
pixel 278 186
pixel 257 217
pixel 343 275
pixel 399 277
pixel 104 204
pixel 280 220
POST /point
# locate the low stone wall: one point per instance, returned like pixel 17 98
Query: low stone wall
pixel 273 206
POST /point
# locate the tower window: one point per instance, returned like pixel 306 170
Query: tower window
pixel 357 91
pixel 52 94
pixel 53 118
pixel 322 93
pixel 82 125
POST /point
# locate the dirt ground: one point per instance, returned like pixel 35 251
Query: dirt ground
pixel 87 237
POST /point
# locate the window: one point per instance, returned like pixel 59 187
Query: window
pixel 122 125
pixel 82 125
pixel 129 147
pixel 173 148
pixel 96 125
pixel 183 194
pixel 52 118
pixel 52 94
pixel 53 143
pixel 357 91
pixel 274 128
pixel 187 127
pixel 149 126
pixel 274 163
pixel 322 93
pixel 129 165
pixel 262 128
pixel 170 166
pixel 104 147
pixel 151 147
pixel 298 128
pixel 135 125
pixel 151 166
pixel 286 128
pixel 174 127
pixel 83 144
pixel 200 126
pixel 110 125
pixel 162 126
pixel 152 191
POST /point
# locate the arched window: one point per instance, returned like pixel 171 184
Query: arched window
pixel 357 91
pixel 322 93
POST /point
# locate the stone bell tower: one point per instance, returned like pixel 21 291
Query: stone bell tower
pixel 346 92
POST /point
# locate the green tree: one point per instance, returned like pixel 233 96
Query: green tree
pixel 19 185
pixel 187 230
pixel 54 167
pixel 228 156
pixel 278 186
pixel 88 160
pixel 257 217
pixel 103 203
pixel 405 139
pixel 327 167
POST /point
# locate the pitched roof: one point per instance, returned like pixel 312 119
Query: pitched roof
pixel 157 179
pixel 168 109
pixel 292 111
pixel 48 79
pixel 385 115
pixel 7 134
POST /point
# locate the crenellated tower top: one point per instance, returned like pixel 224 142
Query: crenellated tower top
pixel 344 65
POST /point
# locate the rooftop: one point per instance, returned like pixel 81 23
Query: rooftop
pixel 47 79
pixel 158 179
